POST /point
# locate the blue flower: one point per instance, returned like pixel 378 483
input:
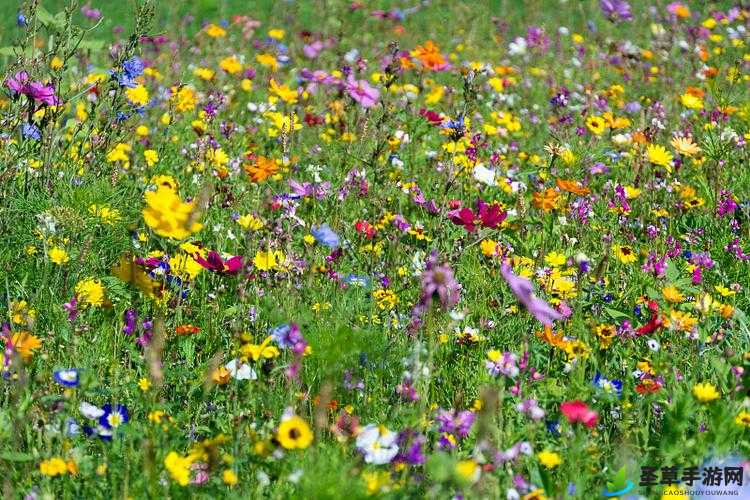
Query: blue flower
pixel 20 20
pixel 31 131
pixel 114 416
pixel 355 280
pixel 133 67
pixel 68 378
pixel 608 386
pixel 324 235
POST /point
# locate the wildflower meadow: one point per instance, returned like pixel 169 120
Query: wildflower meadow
pixel 379 249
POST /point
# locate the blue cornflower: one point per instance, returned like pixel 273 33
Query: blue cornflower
pixel 324 235
pixel 68 377
pixel 133 67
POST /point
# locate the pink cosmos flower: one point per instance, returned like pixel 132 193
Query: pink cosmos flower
pixel 578 411
pixel 215 263
pixel 362 92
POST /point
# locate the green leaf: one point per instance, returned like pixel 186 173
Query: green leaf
pixel 615 314
pixel 92 45
pixel 15 456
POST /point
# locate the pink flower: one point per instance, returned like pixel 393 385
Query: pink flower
pixel 524 292
pixel 217 264
pixel 578 411
pixel 360 91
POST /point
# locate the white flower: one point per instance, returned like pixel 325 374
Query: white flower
pixel 517 46
pixel 241 372
pixel 378 444
pixel 90 411
pixel 485 175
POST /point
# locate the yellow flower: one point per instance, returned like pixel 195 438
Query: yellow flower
pixel 680 321
pixel 168 215
pixel 742 419
pixel 250 222
pixel 705 392
pixel 286 94
pixel 231 65
pixel 262 350
pixel 555 259
pixel 468 471
pixel 178 467
pixel 215 31
pixel 658 155
pixel 267 60
pixel 204 73
pixel 58 256
pixel 624 254
pixel 294 433
pixel 151 157
pixel 265 261
pixel 229 477
pixel 144 384
pixel 184 99
pixel 106 214
pixel 53 467
pixel 489 248
pixel 377 481
pixel 691 101
pixel 276 33
pixel 596 124
pixel 685 146
pixel 90 291
pixel 672 294
pixel 549 459
pixel 137 95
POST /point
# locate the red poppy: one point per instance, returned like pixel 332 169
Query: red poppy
pixel 578 411
pixel 215 263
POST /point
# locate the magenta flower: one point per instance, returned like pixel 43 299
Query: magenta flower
pixel 217 264
pixel 43 93
pixel 360 91
pixel 524 292
pixel 16 82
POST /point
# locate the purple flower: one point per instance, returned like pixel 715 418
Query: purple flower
pixel 531 408
pixel 439 280
pixel 31 131
pixel 40 92
pixel 457 423
pixel 72 309
pixel 362 92
pixel 324 235
pixel 523 290
pixel 616 10
pixel 289 337
pixel 504 363
pixel 16 82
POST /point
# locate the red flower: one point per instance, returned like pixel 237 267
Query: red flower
pixel 215 263
pixel 187 329
pixel 578 411
pixel 431 116
pixel 487 215
pixel 364 227
pixel 654 323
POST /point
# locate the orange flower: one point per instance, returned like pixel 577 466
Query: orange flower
pixel 24 343
pixel 262 169
pixel 187 329
pixel 574 187
pixel 545 200
pixel 429 55
pixel 220 376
